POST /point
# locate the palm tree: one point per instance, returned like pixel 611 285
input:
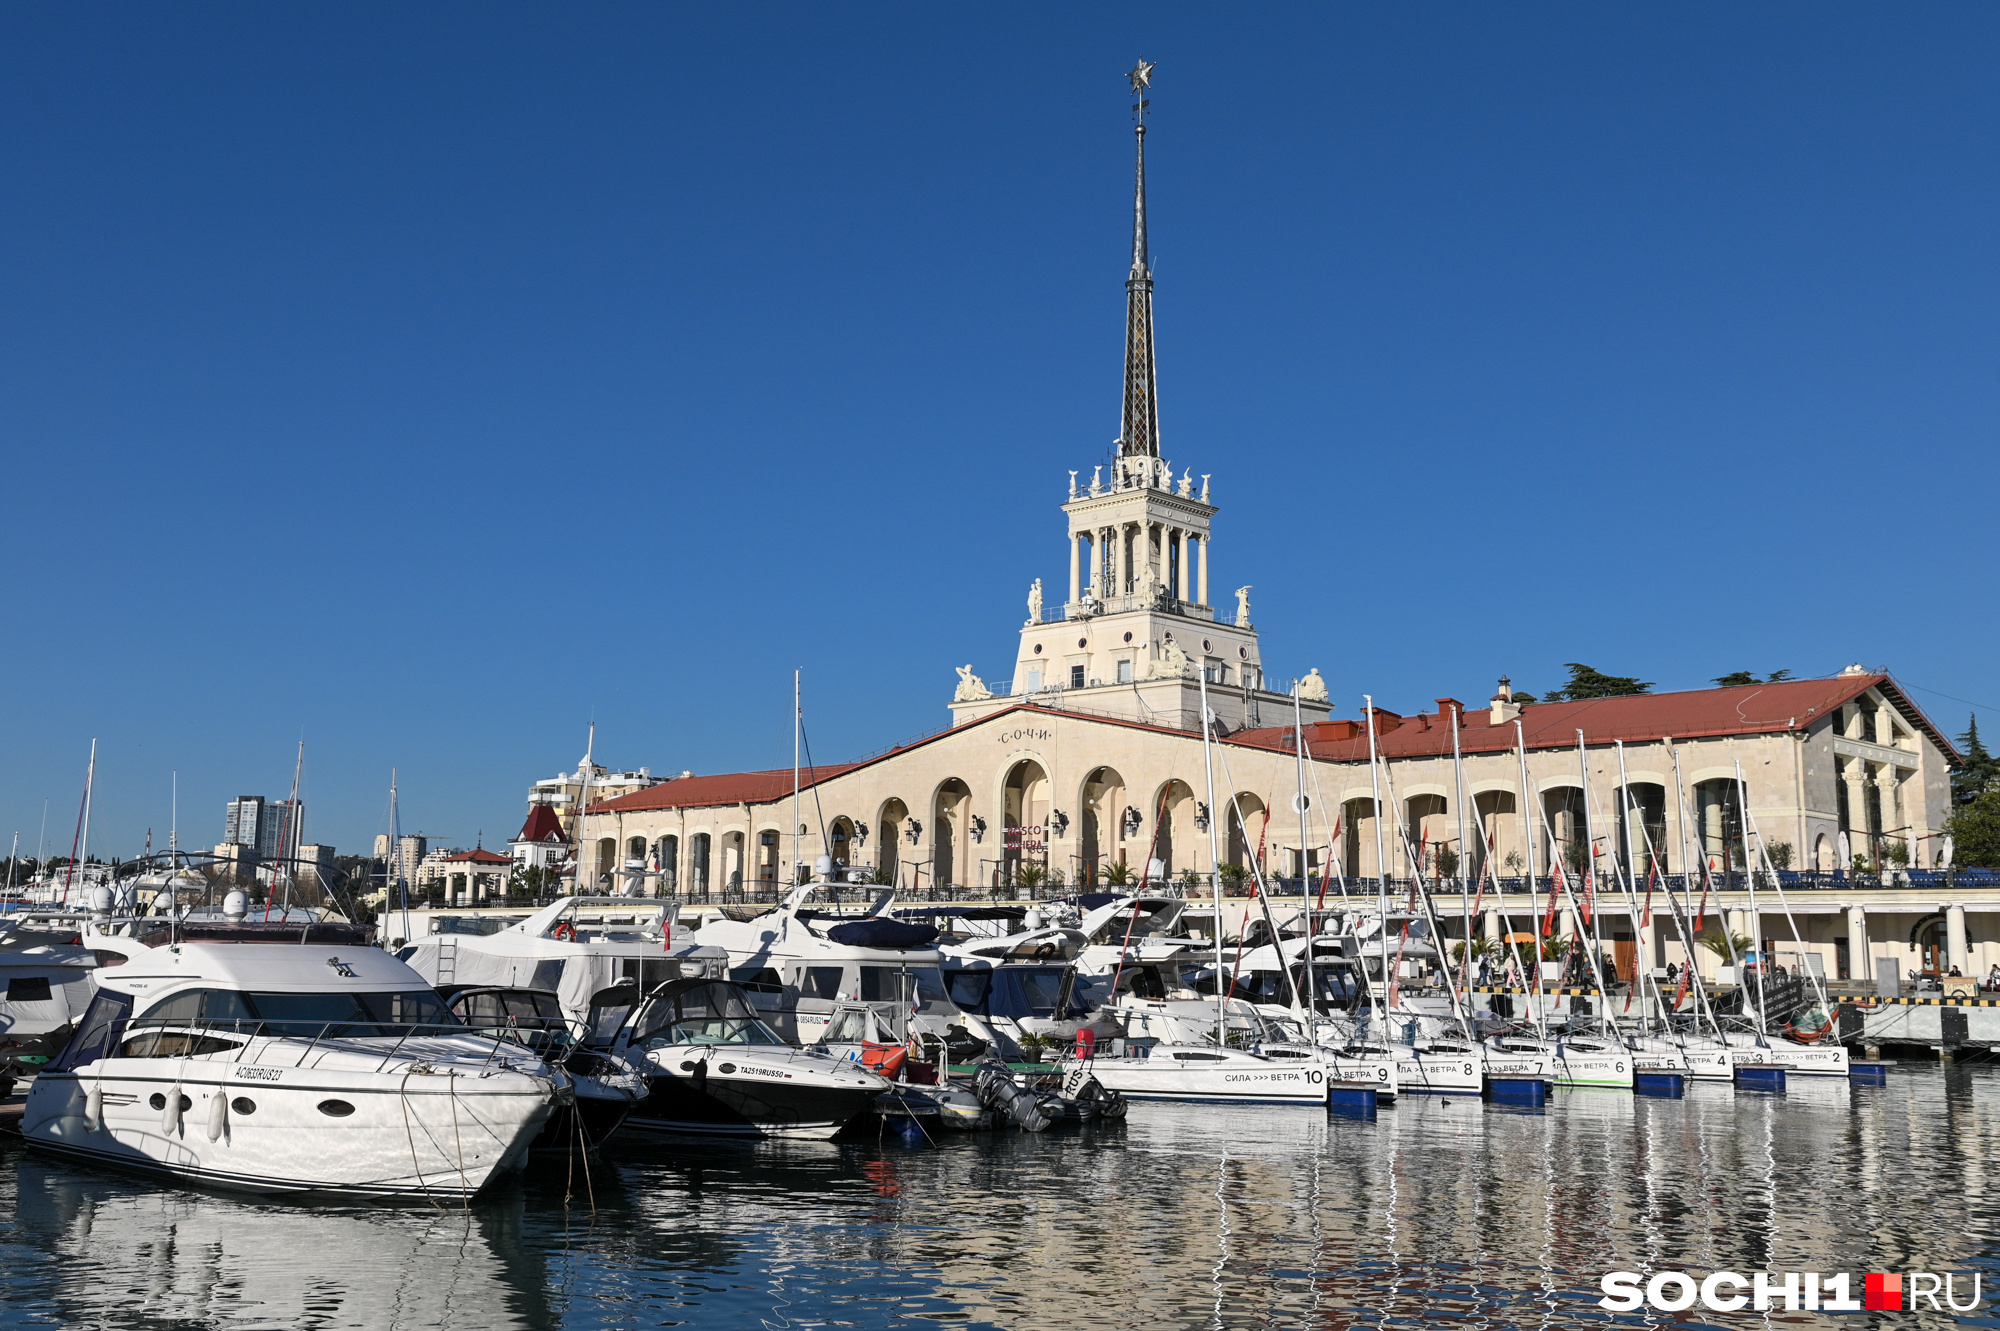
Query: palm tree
pixel 1727 946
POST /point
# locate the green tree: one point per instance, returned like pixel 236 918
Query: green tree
pixel 1728 949
pixel 1981 771
pixel 1735 678
pixel 1586 682
pixel 1117 875
pixel 1975 831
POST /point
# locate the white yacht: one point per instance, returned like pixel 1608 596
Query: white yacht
pixel 299 1068
pixel 714 1068
pixel 47 977
pixel 1206 1073
pixel 598 955
pixel 797 962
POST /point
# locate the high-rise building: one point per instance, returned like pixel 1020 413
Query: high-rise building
pixel 280 830
pixel 268 827
pixel 410 851
pixel 244 821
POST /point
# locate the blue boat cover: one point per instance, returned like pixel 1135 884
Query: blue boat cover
pixel 880 932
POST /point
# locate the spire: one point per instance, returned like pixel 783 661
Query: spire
pixel 1139 425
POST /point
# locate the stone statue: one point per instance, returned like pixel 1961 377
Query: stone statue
pixel 1171 663
pixel 1097 480
pixel 1204 489
pixel 1148 588
pixel 971 688
pixel 1035 602
pixel 1072 485
pixel 1243 607
pixel 1312 688
pixel 1187 483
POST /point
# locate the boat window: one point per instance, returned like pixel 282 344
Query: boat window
pixel 881 984
pixel 930 985
pixel 703 1014
pixel 847 1027
pixel 28 989
pixel 1041 990
pixel 1199 1058
pixel 648 973
pixel 969 988
pixel 346 1014
pixel 95 1032
pixel 821 982
pixel 162 1042
pixel 198 1005
pixel 758 979
pixel 480 1009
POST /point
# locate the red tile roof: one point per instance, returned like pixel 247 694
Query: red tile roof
pixel 477 856
pixel 1745 710
pixel 699 792
pixel 542 825
pixel 1749 709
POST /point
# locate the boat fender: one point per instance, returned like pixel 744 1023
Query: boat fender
pixel 218 1116
pixel 170 1115
pixel 1086 1043
pixel 93 1108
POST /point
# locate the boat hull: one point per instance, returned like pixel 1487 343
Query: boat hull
pixel 1798 1060
pixel 405 1137
pixel 1235 1078
pixel 754 1097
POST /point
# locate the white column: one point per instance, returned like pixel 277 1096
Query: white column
pixel 1492 925
pixel 1187 584
pixel 1123 564
pixel 1954 937
pixel 1201 585
pixel 1075 570
pixel 1860 966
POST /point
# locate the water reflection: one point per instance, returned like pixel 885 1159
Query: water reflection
pixel 1185 1216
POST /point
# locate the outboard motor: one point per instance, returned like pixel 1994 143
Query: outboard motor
pixel 1029 1110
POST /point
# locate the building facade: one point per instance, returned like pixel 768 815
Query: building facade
pixel 1089 763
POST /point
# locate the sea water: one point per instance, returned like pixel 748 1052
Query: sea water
pixel 1433 1212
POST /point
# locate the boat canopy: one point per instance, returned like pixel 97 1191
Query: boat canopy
pixel 883 933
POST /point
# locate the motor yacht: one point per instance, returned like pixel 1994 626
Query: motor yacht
pixel 797 962
pixel 303 1068
pixel 599 955
pixel 604 1087
pixel 47 977
pixel 714 1068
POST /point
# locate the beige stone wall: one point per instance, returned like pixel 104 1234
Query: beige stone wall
pixel 1034 764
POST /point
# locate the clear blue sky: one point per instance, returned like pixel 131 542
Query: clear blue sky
pixel 426 381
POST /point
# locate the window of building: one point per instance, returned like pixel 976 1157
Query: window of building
pixel 1076 677
pixel 1034 680
pixel 1124 672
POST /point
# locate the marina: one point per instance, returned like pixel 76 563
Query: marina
pixel 1166 979
pixel 1180 1216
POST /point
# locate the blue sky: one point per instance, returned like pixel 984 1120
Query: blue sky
pixel 428 381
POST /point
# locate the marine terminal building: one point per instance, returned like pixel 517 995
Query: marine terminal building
pixel 1091 756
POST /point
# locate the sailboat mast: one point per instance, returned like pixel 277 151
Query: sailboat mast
pixel 83 833
pixel 1381 863
pixel 798 725
pixel 1305 883
pixel 1214 869
pixel 1464 853
pixel 1589 887
pixel 1534 891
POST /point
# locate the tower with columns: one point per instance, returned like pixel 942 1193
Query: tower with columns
pixel 1137 631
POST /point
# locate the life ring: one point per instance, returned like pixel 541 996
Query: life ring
pixel 564 931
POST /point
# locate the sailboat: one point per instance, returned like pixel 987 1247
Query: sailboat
pixel 1215 1073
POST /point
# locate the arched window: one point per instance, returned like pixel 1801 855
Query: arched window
pixel 698 852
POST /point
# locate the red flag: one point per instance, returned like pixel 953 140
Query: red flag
pixel 1646 916
pixel 1701 912
pixel 1549 920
